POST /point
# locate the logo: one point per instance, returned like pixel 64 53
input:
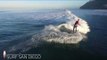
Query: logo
pixel 20 56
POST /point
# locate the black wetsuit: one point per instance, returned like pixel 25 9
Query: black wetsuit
pixel 75 25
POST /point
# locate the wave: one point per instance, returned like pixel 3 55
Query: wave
pixel 63 33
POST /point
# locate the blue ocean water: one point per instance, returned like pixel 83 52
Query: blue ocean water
pixel 18 27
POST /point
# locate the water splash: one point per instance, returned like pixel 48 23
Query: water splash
pixel 63 33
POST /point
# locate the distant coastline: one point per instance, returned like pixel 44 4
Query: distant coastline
pixel 95 4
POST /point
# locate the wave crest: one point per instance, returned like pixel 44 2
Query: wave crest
pixel 63 33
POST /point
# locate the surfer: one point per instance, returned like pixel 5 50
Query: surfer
pixel 75 26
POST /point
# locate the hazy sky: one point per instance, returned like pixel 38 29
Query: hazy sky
pixel 40 4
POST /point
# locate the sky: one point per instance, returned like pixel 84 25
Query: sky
pixel 40 4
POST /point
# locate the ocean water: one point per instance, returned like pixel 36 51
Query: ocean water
pixel 20 30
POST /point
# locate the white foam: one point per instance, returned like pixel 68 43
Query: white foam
pixel 53 33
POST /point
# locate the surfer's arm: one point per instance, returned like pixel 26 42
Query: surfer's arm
pixel 79 24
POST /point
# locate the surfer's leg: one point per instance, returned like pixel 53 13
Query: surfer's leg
pixel 73 28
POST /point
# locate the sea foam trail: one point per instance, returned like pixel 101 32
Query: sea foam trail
pixel 63 33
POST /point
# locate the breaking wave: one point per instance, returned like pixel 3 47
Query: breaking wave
pixel 63 33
